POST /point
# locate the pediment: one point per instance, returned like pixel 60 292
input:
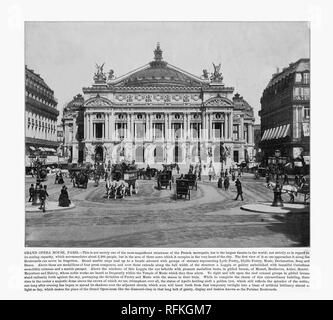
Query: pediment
pixel 98 102
pixel 218 102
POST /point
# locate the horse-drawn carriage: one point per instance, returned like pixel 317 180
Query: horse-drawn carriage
pixel 293 190
pixel 183 188
pixel 79 177
pixel 42 174
pixel 164 179
pixel 122 181
pixel 147 174
pixel 192 178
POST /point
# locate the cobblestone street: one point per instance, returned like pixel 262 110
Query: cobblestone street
pixel 154 218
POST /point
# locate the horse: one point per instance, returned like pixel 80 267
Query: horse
pixel 109 186
pixel 292 190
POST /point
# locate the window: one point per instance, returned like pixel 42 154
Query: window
pixel 306 77
pixel 99 130
pixel 120 116
pixel 218 115
pixel 158 130
pixel 217 129
pixel 177 130
pixel 195 129
pixel 298 77
pixel 121 127
pixel 139 116
pixel 158 116
pixel 148 98
pixel 306 113
pixel 29 122
pixel 246 131
pixel 140 130
pixel 98 116
pixel 167 98
pixel 129 98
pixel 236 132
pixel 177 116
pixel 186 98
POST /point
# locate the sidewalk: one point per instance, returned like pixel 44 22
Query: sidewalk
pixel 50 206
pixel 267 207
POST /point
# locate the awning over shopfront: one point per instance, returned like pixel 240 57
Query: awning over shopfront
pixel 276 132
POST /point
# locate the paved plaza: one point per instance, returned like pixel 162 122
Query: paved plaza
pixel 154 218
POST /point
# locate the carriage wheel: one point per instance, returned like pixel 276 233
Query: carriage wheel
pixel 131 190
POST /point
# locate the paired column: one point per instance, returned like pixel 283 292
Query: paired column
pixel 165 126
pixel 230 125
pixel 112 127
pixel 151 126
pixel 128 133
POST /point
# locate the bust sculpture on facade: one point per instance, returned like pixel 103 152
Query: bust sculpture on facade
pixel 111 75
pixel 205 74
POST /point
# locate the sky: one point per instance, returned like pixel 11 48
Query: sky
pixel 65 53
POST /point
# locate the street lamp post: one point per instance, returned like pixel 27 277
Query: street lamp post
pixel 38 169
pixel 277 164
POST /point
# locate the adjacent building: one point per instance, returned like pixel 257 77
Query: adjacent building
pixel 285 113
pixel 157 114
pixel 257 140
pixel 40 118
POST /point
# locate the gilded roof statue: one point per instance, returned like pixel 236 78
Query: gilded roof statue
pixel 216 75
pixel 99 76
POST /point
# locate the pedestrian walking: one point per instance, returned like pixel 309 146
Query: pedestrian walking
pixel 268 178
pixel 31 192
pixel 219 183
pixel 210 173
pixel 63 200
pixel 226 183
pixel 226 173
pixel 233 176
pixel 302 181
pixel 296 180
pixel 285 179
pixel 42 196
pixel 239 189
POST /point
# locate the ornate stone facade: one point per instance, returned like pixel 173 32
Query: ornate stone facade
pixel 162 114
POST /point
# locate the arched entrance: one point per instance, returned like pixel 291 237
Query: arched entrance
pixel 139 154
pixel 217 154
pixel 178 154
pixel 158 154
pixel 99 154
pixel 195 154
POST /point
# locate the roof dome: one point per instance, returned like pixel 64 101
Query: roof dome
pixel 159 74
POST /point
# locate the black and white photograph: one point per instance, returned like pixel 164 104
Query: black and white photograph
pixel 167 134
